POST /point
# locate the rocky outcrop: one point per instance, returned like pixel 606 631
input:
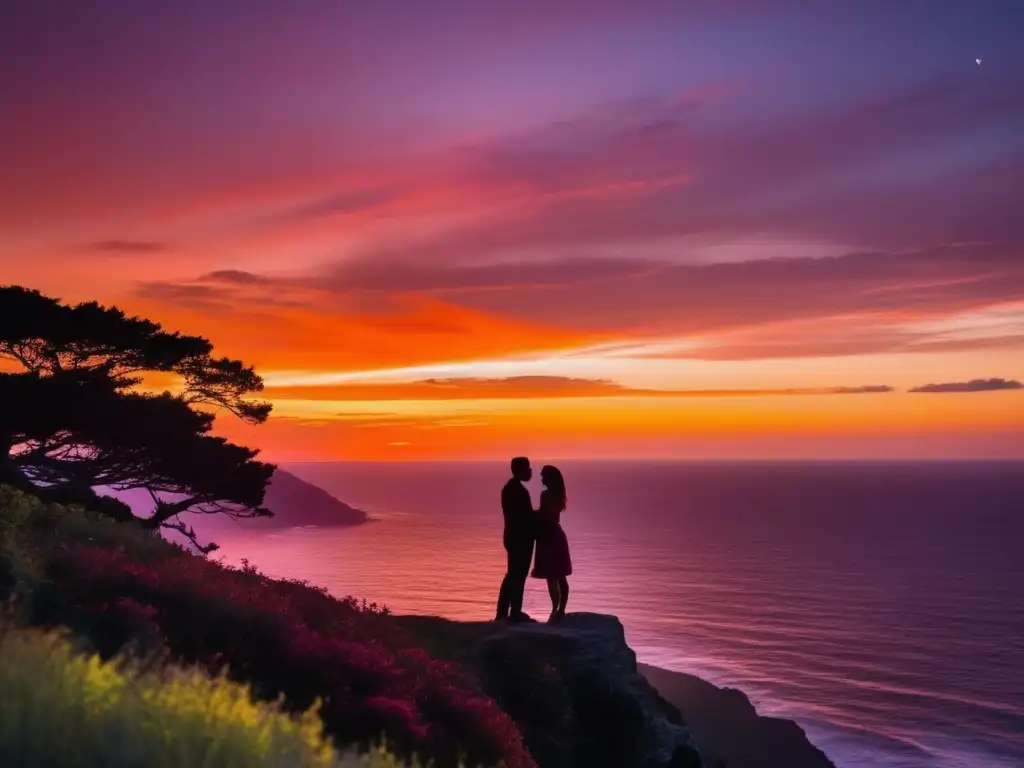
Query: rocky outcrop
pixel 573 688
pixel 618 718
pixel 728 726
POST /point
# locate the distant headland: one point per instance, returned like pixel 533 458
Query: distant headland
pixel 295 502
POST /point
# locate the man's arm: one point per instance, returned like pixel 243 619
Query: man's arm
pixel 508 502
pixel 516 504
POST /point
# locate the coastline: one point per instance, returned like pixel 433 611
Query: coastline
pixel 726 724
pixel 538 694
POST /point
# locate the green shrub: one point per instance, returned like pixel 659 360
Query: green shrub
pixel 60 708
pixel 35 526
pixel 32 531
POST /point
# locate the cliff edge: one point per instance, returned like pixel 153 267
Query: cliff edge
pixel 573 688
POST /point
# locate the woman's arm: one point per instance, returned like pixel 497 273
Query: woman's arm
pixel 545 513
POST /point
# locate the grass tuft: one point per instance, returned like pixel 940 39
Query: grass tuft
pixel 62 708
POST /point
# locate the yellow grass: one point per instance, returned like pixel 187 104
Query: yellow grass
pixel 60 708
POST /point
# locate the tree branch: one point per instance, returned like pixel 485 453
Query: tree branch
pixel 166 510
pixel 189 533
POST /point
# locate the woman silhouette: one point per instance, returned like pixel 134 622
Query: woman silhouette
pixel 552 561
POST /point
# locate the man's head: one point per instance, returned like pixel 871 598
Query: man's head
pixel 521 469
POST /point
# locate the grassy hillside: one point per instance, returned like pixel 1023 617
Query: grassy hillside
pixel 120 590
pixel 118 715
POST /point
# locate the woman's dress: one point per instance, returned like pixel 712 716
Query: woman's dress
pixel 551 560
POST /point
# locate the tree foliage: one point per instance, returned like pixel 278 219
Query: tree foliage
pixel 47 337
pixel 72 418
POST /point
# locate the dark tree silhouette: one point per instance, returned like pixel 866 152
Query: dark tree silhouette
pixel 47 337
pixel 71 418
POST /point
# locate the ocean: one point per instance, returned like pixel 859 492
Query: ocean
pixel 880 605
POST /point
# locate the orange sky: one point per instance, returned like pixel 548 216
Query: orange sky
pixel 676 248
pixel 441 383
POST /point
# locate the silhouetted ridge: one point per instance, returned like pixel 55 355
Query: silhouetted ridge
pixel 295 502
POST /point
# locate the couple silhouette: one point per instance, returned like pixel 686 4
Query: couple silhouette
pixel 527 529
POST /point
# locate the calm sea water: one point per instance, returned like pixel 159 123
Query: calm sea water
pixel 881 606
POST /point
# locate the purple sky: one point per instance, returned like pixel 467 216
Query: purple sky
pixel 809 190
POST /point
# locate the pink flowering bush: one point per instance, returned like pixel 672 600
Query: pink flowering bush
pixel 288 639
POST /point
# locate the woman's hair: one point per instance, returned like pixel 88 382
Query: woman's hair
pixel 555 484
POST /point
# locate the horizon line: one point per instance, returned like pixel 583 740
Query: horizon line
pixel 663 460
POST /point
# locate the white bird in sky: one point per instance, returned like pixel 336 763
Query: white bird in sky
pixel 978 62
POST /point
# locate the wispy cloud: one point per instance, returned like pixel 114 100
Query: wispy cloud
pixel 974 385
pixel 402 422
pixel 194 296
pixel 532 387
pixel 876 292
pixel 235 277
pixel 653 171
pixel 345 201
pixel 221 292
pixel 128 247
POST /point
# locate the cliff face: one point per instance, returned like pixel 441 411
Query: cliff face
pixel 726 724
pixel 573 688
pixel 616 717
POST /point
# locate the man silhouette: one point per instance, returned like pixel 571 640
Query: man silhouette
pixel 517 509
